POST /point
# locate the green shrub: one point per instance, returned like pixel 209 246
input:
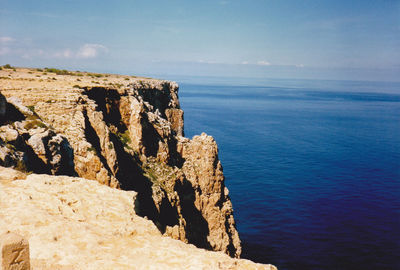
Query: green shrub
pixel 58 71
pixel 92 149
pixel 95 75
pixel 21 166
pixel 31 108
pixel 34 116
pixel 34 124
pixel 125 138
pixel 10 146
pixel 7 66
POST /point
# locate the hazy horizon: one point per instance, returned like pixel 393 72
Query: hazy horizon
pixel 334 40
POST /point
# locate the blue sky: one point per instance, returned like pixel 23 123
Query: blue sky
pixel 356 40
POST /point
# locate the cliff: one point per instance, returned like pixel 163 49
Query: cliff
pixel 74 223
pixel 124 132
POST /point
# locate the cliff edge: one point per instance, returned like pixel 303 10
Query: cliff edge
pixel 75 223
pixel 124 132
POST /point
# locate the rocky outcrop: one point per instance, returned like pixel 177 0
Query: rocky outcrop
pixel 75 223
pixel 203 170
pixel 128 133
pixel 30 145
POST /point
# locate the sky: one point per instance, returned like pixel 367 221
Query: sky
pixel 344 40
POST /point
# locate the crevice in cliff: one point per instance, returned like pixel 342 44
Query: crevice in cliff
pixel 196 226
pixel 150 144
pixel 107 101
pixel 176 159
pixel 92 137
pixel 231 249
pixel 131 177
pixel 158 99
pixel 65 166
pixel 33 162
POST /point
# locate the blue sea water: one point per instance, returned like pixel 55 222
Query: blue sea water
pixel 313 168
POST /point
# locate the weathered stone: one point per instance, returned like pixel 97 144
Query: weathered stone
pixel 8 134
pixel 128 134
pixel 17 103
pixel 75 223
pixel 41 149
pixel 204 171
pixel 14 252
pixel 175 117
pixel 8 174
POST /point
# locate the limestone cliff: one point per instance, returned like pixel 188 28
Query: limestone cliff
pixel 74 223
pixel 124 132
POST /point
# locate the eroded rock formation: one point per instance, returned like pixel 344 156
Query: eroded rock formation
pixel 75 223
pixel 27 143
pixel 127 133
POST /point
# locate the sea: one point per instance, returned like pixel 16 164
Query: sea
pixel 312 166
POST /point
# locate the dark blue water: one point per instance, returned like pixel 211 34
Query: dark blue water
pixel 313 169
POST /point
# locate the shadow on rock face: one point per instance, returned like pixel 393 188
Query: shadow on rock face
pixel 92 137
pixel 196 226
pixel 153 201
pixel 107 101
pixel 12 114
pixel 131 177
pixel 33 162
pixel 59 156
pixel 150 137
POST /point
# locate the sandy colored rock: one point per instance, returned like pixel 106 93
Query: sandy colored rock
pixel 124 132
pixel 14 252
pixel 8 174
pixel 74 223
pixel 8 134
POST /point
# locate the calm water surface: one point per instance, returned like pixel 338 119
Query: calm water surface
pixel 313 168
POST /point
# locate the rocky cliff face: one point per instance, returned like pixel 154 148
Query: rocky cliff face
pixel 124 132
pixel 74 223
